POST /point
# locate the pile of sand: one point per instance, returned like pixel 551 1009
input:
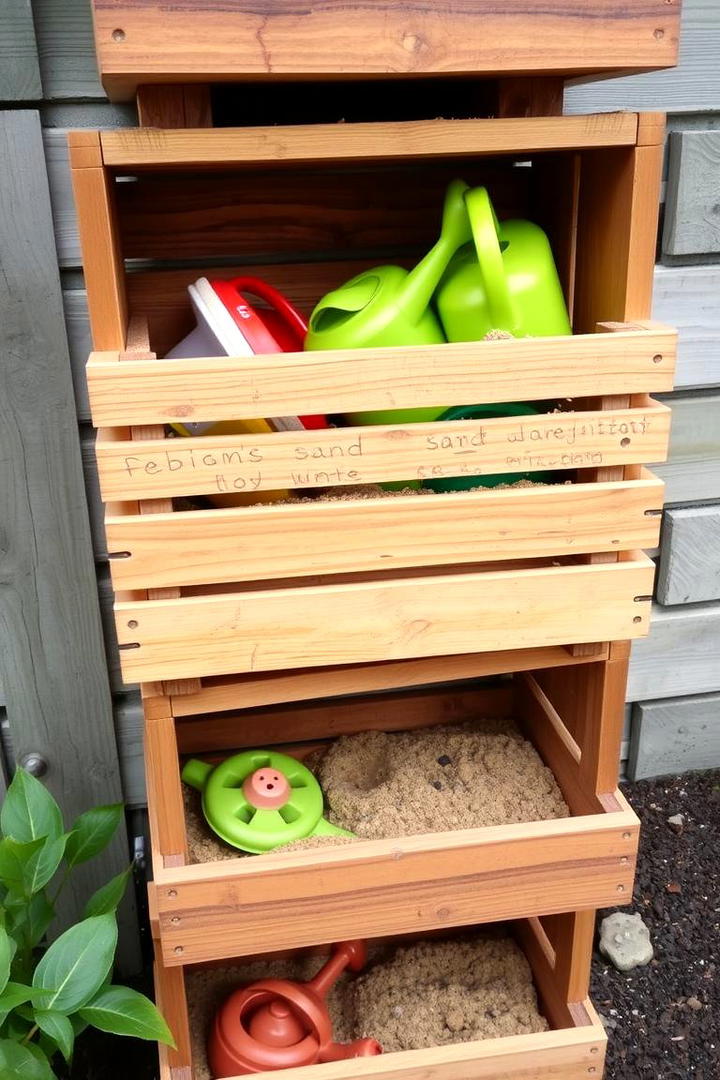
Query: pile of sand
pixel 429 780
pixel 428 993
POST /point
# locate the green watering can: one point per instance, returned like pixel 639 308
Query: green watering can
pixel 260 799
pixel 391 306
pixel 505 280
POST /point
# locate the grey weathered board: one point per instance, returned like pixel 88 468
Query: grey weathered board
pixel 675 735
pixel 51 651
pixel 19 69
pixel 67 50
pixel 688 297
pixel 691 87
pixel 681 655
pixel 689 567
pixel 692 198
pixel 692 473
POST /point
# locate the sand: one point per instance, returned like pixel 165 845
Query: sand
pixel 428 780
pixel 427 993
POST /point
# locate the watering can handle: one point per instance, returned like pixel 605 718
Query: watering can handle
pixel 258 287
pixel 484 226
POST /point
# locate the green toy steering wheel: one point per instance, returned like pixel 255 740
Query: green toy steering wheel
pixel 260 800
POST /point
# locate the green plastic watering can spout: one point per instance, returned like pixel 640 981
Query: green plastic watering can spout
pixel 342 304
pixel 420 284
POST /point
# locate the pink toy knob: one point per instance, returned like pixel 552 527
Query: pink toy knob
pixel 267 789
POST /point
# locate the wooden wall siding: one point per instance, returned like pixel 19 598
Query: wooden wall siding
pixel 692 472
pixel 67 240
pixel 19 68
pixel 689 297
pixel 680 656
pixel 67 50
pixel 52 660
pixel 689 567
pixel 675 735
pixel 692 202
pixel 691 87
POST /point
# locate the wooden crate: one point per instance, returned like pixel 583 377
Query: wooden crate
pixel 146 41
pixel 572 710
pixel 558 951
pixel 215 592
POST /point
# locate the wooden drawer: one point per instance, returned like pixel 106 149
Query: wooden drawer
pixel 145 41
pixel 572 1049
pixel 261 588
pixel 573 714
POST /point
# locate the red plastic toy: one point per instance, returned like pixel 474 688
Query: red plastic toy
pixel 279 1024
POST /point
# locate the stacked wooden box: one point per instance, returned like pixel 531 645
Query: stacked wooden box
pixel 291 624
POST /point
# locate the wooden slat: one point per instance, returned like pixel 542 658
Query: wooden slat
pixel 680 656
pixel 246 691
pixel 692 472
pixel 693 86
pixel 67 55
pixel 689 568
pixel 692 221
pixel 407 883
pixel 674 736
pixel 686 297
pixel 19 70
pixel 409 140
pixel 193 40
pixel 165 391
pixel 253 543
pixel 52 657
pixel 341 457
pixel 285 628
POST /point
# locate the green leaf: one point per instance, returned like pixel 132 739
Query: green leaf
pixel 40 913
pixel 76 964
pixel 22 1062
pixel 7 951
pixel 92 832
pixel 122 1011
pixel 16 994
pixel 43 865
pixel 29 810
pixel 58 1028
pixel 15 858
pixel 108 896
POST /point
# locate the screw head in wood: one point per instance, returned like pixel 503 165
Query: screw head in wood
pixel 34 763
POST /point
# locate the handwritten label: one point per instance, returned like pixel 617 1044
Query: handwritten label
pixel 461 448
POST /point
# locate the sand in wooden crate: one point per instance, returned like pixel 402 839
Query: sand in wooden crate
pixel 426 993
pixel 451 777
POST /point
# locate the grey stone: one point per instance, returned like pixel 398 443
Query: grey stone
pixel 625 941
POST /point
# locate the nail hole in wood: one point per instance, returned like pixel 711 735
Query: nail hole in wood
pixel 625 442
pixel 172 892
pixel 132 624
pixel 626 835
pixel 657 358
pixel 637 619
pixel 118 35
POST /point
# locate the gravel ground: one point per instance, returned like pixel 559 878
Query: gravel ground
pixel 663 1020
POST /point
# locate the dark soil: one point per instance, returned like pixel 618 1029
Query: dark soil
pixel 663 1020
pixel 655 1027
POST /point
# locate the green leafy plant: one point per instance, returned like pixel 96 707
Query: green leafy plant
pixel 49 995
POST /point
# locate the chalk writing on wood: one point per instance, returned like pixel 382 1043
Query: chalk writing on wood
pixel 368 455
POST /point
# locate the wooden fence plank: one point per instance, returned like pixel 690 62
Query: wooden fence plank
pixel 689 568
pixel 692 471
pixel 680 656
pixel 67 50
pixel 52 658
pixel 674 736
pixel 692 207
pixel 687 297
pixel 19 69
pixel 67 240
pixel 77 325
pixel 693 86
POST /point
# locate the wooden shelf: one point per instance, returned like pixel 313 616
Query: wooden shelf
pixel 143 41
pixel 408 883
pixel 572 1048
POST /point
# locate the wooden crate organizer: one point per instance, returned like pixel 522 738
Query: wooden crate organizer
pixel 144 41
pixel 558 951
pixel 269 587
pixel 572 711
